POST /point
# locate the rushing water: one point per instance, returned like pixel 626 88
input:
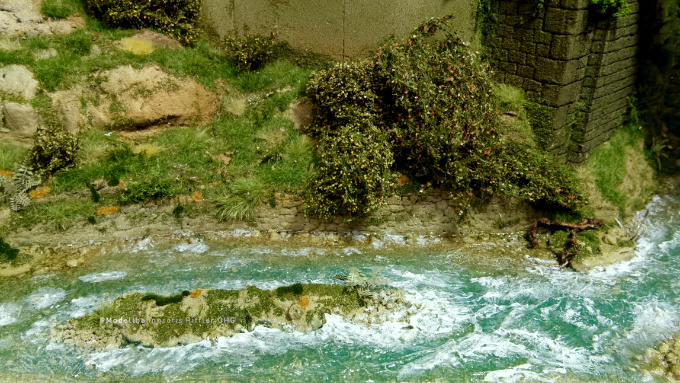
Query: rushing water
pixel 504 319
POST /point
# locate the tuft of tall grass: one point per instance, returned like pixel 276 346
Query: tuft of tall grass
pixel 59 9
pixel 239 200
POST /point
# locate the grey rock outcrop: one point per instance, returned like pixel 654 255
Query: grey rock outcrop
pixel 20 123
pixel 17 80
pixel 20 17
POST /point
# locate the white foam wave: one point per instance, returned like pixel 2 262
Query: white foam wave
pixel 351 251
pixel 84 305
pixel 105 276
pixel 653 320
pixel 9 313
pixel 671 244
pixel 144 244
pixel 45 297
pixel 513 375
pixel 195 248
pixel 302 252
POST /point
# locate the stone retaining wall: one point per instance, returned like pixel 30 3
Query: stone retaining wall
pixel 581 64
pixel 432 213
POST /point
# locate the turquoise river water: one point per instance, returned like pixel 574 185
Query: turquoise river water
pixel 486 319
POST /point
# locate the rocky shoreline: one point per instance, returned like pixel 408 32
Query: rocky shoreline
pixel 664 360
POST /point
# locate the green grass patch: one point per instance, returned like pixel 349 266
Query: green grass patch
pixel 11 156
pixel 608 164
pixel 59 214
pixel 60 9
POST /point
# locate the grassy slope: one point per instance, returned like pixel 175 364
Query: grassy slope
pixel 266 153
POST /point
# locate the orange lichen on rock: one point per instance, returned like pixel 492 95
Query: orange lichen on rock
pixel 107 210
pixel 196 196
pixel 304 302
pixel 39 192
pixel 5 173
pixel 196 293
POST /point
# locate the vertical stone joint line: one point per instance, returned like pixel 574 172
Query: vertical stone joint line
pixel 344 13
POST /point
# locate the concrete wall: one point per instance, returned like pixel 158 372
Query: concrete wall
pixel 580 63
pixel 338 28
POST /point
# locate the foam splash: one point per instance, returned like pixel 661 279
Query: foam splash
pixel 513 375
pixel 9 312
pixel 84 305
pixel 194 248
pixel 105 276
pixel 144 244
pixel 45 297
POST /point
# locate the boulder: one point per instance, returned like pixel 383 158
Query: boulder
pixel 17 80
pixel 157 39
pixel 132 98
pixel 21 17
pixel 68 106
pixel 20 122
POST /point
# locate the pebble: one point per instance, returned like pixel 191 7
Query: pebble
pixel 74 262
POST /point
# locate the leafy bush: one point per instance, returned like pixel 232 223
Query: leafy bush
pixel 534 177
pixel 53 149
pixel 251 52
pixel 353 175
pixel 343 95
pixel 443 120
pixel 425 107
pixel 174 17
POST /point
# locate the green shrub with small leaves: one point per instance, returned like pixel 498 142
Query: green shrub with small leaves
pixel 343 95
pixel 353 175
pixel 535 178
pixel 174 17
pixel 53 149
pixel 251 52
pixel 423 107
pixel 443 122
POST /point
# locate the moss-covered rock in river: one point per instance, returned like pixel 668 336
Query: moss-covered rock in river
pixel 664 360
pixel 188 317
